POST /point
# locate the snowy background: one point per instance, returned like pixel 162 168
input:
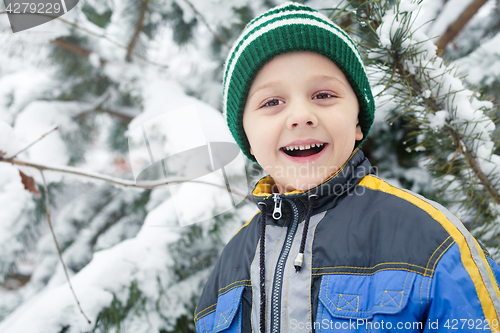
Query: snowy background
pixel 110 65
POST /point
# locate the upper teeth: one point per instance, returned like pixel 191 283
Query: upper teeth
pixel 304 147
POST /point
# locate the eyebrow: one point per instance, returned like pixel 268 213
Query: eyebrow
pixel 329 78
pixel 316 77
pixel 263 86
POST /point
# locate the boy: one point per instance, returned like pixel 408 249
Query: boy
pixel 333 248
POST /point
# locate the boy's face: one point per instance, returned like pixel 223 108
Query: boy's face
pixel 301 99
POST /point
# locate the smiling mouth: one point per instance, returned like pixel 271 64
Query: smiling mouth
pixel 303 151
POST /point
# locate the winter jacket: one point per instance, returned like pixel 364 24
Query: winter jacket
pixel 376 259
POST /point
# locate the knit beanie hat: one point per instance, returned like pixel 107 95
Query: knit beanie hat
pixel 288 28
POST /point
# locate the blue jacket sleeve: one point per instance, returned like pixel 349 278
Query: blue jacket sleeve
pixel 456 302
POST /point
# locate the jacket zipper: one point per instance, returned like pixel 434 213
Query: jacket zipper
pixel 277 206
pixel 280 266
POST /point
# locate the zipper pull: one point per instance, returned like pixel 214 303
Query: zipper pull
pixel 277 206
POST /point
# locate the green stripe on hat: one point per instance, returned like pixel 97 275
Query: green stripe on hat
pixel 288 28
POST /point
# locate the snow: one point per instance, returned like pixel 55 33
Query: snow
pixel 9 144
pixel 408 6
pixel 139 259
pixel 217 12
pixel 36 119
pixel 19 88
pixel 15 201
pixel 429 10
pixel 95 60
pixel 452 9
pixel 438 120
pixel 482 65
pixel 174 123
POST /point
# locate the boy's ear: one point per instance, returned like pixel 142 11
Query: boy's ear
pixel 359 133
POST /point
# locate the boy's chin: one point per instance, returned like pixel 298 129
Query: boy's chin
pixel 302 184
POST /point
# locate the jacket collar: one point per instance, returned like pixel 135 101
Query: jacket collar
pixel 328 193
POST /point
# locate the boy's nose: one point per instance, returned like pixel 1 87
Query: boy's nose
pixel 301 116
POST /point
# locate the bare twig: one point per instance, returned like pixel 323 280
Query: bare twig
pixel 99 107
pixel 117 181
pixel 31 144
pixel 216 35
pixel 116 114
pixel 138 29
pixel 47 210
pixel 454 29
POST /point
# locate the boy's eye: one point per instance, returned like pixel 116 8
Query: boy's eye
pixel 272 102
pixel 323 95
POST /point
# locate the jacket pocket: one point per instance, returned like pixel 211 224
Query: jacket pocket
pixel 226 315
pixel 348 299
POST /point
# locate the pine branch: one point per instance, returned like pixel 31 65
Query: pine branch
pixel 138 29
pixel 456 27
pixel 457 138
pixel 424 86
pixel 216 35
pixel 47 211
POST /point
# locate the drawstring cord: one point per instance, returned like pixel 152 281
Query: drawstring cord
pixel 262 264
pixel 299 260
